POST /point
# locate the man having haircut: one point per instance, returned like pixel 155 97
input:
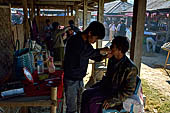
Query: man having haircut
pixel 78 52
pixel 118 84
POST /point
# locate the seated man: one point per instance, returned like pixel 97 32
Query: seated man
pixel 118 84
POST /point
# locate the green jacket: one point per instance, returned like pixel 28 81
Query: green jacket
pixel 57 37
pixel 120 80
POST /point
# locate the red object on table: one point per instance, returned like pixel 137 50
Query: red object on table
pixel 43 87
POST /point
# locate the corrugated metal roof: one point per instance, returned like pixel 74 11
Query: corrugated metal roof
pixel 157 4
pixel 116 7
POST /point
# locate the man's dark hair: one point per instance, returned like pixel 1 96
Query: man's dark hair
pixel 55 24
pixel 47 20
pixel 96 28
pixel 71 22
pixel 121 43
pixel 123 21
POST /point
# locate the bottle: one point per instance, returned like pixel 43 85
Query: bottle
pixel 40 64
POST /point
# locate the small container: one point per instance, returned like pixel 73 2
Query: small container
pixel 40 64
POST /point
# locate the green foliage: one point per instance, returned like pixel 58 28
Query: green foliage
pixel 155 101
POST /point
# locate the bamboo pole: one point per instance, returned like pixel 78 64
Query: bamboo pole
pixel 71 10
pixel 76 15
pixel 31 103
pixel 38 11
pixel 68 10
pixel 85 14
pixel 53 98
pixel 25 21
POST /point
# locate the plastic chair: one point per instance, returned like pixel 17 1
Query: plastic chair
pixel 138 82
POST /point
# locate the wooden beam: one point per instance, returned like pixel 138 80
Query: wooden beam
pixel 100 18
pixel 71 10
pixel 100 13
pixel 68 10
pixel 124 0
pixel 84 14
pixel 54 3
pixel 31 103
pixel 54 98
pixel 139 12
pixel 25 21
pixel 32 9
pixel 76 15
pixel 60 0
pixel 38 11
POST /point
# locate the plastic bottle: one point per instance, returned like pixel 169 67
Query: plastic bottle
pixel 40 64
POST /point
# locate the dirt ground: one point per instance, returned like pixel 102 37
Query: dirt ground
pixel 153 72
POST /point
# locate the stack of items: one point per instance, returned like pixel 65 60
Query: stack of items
pixel 166 46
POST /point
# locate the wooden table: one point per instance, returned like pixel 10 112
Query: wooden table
pixel 47 101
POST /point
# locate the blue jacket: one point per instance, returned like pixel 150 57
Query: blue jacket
pixel 77 55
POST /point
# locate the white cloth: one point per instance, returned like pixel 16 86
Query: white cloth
pixel 112 27
pixel 128 35
pixel 136 100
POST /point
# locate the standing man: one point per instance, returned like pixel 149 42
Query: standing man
pixel 112 31
pixel 121 29
pixel 118 84
pixel 48 31
pixel 78 52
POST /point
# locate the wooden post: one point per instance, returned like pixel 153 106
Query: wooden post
pixel 68 10
pixel 168 33
pixel 85 14
pixel 53 97
pixel 38 11
pixel 76 15
pixel 100 13
pixel 25 21
pixel 139 12
pixel 32 13
pixel 71 10
pixel 100 18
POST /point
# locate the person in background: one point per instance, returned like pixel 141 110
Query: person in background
pixel 68 34
pixel 57 45
pixel 73 27
pixel 129 33
pixel 48 30
pixel 121 29
pixel 106 26
pixel 151 43
pixel 118 84
pixel 112 31
pixel 78 52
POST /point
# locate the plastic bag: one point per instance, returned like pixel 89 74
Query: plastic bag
pixel 51 66
pixel 136 100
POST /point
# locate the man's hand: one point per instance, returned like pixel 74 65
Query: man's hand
pixel 109 55
pixel 105 50
pixel 106 105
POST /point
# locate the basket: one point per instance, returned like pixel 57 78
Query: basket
pixel 23 58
